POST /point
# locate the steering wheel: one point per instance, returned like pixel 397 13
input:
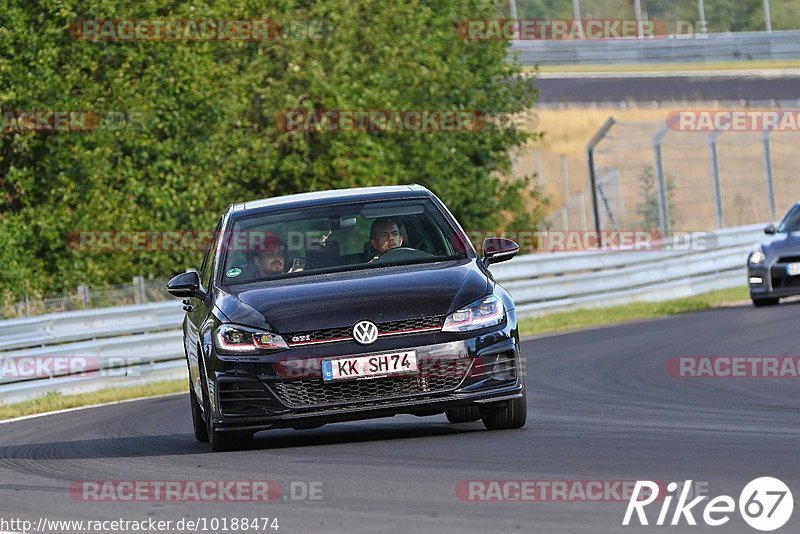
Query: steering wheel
pixel 403 253
pixel 396 249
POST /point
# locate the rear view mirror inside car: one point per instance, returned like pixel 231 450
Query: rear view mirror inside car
pixel 347 222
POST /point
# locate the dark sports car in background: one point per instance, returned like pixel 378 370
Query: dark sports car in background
pixel 773 266
pixel 345 305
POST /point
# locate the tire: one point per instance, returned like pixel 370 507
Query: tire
pixel 220 441
pixel 225 441
pixel 200 430
pixel 463 414
pixel 759 303
pixel 510 414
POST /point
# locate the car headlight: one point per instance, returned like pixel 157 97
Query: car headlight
pixel 757 257
pixel 240 339
pixel 487 311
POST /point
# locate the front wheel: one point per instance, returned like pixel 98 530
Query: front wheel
pixel 225 441
pixel 219 441
pixel 200 430
pixel 758 303
pixel 463 414
pixel 507 415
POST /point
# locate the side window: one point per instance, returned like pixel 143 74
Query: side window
pixel 208 262
pixel 426 235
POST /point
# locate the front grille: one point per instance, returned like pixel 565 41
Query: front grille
pixel 789 259
pixel 434 376
pixel 436 321
pixel 782 281
pixel 390 328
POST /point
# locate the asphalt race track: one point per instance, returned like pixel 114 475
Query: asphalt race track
pixel 601 408
pixel 667 88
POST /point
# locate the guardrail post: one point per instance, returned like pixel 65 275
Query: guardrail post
pixel 715 176
pixel 663 206
pixel 770 178
pixel 593 175
pixel 139 295
pixel 83 295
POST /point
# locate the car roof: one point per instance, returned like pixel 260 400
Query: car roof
pixel 334 196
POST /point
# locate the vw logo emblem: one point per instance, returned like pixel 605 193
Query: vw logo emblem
pixel 365 332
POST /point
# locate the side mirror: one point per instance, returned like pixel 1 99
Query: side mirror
pixel 185 285
pixel 497 249
pixel 770 229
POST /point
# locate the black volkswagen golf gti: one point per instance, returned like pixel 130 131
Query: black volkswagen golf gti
pixel 344 305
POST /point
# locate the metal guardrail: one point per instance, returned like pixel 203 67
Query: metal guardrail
pixel 777 45
pixel 88 324
pixel 562 281
pixel 93 349
pixel 68 385
pixel 130 345
pixel 98 355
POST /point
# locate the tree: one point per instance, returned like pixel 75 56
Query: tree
pixel 649 210
pixel 209 137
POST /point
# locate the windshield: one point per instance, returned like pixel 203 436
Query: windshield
pixel 342 237
pixel 791 222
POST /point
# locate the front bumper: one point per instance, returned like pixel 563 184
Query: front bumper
pixel 775 281
pixel 287 390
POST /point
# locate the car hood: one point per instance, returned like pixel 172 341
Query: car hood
pixel 782 245
pixel 312 302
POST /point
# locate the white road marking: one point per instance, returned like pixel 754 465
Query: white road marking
pixel 78 408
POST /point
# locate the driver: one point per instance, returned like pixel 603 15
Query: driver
pixel 384 235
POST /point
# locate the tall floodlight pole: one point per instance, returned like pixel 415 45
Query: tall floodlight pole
pixel 639 28
pixel 576 14
pixel 701 8
pixel 513 5
pixel 767 16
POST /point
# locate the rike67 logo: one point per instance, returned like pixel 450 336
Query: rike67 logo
pixel 765 504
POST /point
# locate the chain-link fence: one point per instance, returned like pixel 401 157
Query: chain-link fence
pixel 711 15
pixel 139 291
pixel 651 177
pixel 564 180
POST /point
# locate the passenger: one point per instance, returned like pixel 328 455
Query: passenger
pixel 271 259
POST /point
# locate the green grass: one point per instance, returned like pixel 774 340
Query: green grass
pixel 586 317
pixel 672 67
pixel 54 401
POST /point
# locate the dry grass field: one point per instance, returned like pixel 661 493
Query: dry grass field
pixel 566 132
pixel 628 151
